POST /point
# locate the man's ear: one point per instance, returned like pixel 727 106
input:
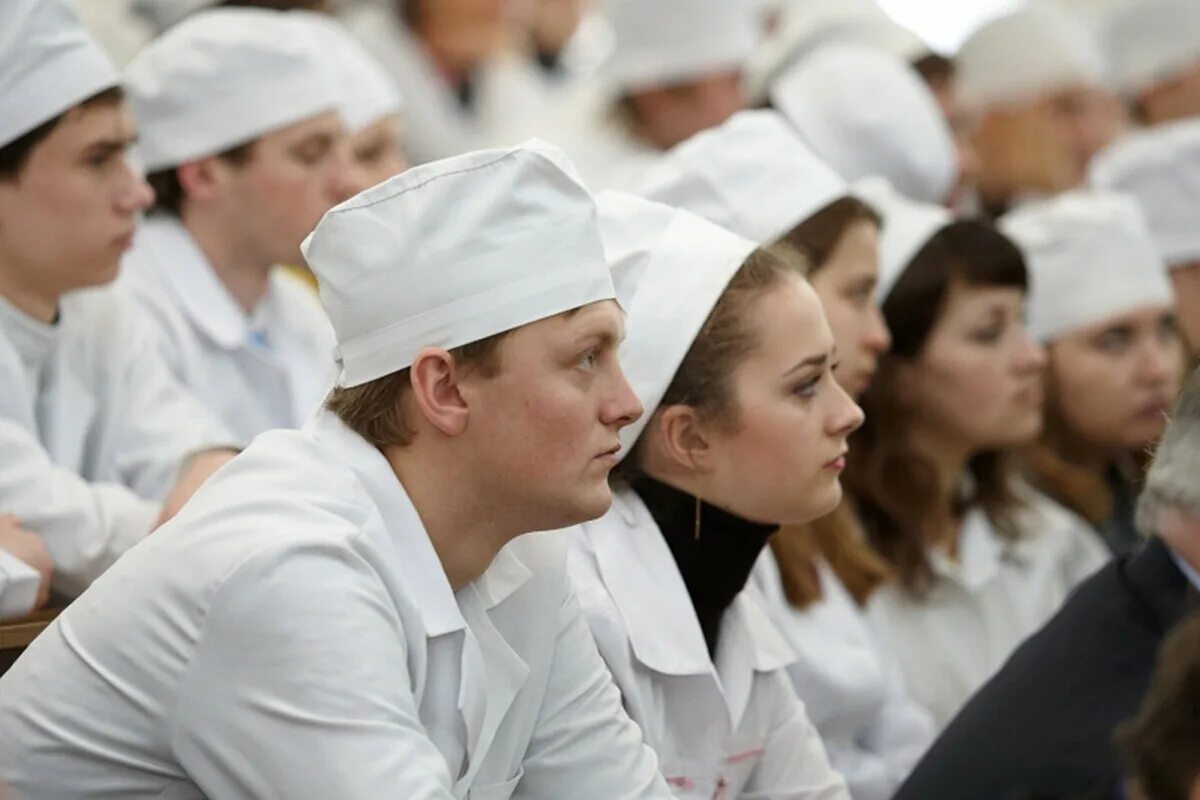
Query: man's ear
pixel 434 377
pixel 683 438
pixel 202 179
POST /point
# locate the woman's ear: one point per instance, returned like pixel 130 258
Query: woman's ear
pixel 434 377
pixel 683 438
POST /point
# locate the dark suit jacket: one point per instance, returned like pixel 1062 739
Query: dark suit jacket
pixel 1044 722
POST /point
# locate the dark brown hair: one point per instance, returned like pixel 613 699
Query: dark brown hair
pixel 15 154
pixel 169 193
pixel 1159 744
pixel 936 70
pixel 897 490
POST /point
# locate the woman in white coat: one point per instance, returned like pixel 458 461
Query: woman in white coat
pixel 745 428
pixel 755 177
pixel 981 560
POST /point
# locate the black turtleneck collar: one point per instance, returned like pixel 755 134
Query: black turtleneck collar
pixel 717 565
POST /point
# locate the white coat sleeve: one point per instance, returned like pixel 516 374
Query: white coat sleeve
pixel 18 586
pixel 585 746
pixel 793 764
pixel 298 687
pixel 900 734
pixel 86 526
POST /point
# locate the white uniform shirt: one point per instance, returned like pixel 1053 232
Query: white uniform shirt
pixel 983 605
pixel 291 633
pixel 853 691
pixel 19 584
pixel 725 730
pixel 269 369
pixel 93 429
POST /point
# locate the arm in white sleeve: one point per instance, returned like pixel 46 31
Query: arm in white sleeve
pixel 18 586
pixel 298 688
pixel 902 731
pixel 585 746
pixel 86 526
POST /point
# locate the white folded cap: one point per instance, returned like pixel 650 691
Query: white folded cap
pixel 869 113
pixel 1032 51
pixel 222 78
pixel 1090 257
pixel 751 175
pixel 162 14
pixel 663 42
pixel 674 267
pixel 907 226
pixel 1151 41
pixel 48 64
pixel 1160 167
pixel 455 251
pixel 366 93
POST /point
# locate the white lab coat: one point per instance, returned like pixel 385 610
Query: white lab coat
pixel 984 604
pixel 729 730
pixel 853 691
pixel 291 633
pixel 436 125
pixel 93 430
pixel 19 584
pixel 269 369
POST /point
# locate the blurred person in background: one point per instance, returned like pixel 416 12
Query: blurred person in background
pixel 1154 48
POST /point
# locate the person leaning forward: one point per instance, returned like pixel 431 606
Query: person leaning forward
pixel 346 610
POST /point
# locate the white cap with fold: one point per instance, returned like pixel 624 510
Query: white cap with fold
pixel 366 93
pixel 48 64
pixel 1032 51
pixel 907 226
pixel 751 175
pixel 673 266
pixel 869 113
pixel 1152 40
pixel 1090 257
pixel 663 42
pixel 455 251
pixel 222 78
pixel 1159 166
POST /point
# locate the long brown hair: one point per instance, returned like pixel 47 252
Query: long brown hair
pixel 835 537
pixel 896 489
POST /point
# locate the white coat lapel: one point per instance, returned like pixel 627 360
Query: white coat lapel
pixel 66 410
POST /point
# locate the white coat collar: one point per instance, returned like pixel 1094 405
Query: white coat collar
pixel 981 553
pixel 747 630
pixel 33 340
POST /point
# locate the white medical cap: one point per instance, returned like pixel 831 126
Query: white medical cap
pixel 366 93
pixel 455 251
pixel 48 64
pixel 751 175
pixel 663 42
pixel 908 226
pixel 1151 41
pixel 222 78
pixel 1032 51
pixel 1090 257
pixel 869 113
pixel 674 267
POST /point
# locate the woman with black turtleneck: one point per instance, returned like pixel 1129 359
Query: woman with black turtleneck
pixel 744 429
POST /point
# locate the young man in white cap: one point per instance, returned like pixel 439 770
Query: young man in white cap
pixel 93 428
pixel 337 613
pixel 1161 167
pixel 1155 51
pixel 239 131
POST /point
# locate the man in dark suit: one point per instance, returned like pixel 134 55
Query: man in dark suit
pixel 1044 723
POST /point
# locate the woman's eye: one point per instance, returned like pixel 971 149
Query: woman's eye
pixel 988 335
pixel 807 388
pixel 1114 341
pixel 589 359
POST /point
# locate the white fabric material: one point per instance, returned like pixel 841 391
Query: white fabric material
pixel 1090 257
pixel 312 647
pixel 1151 41
pixel 674 41
pixel 729 726
pixel 1160 167
pixel 267 369
pixel 162 14
pixel 751 175
pixel 984 603
pixel 907 227
pixel 853 690
pixel 674 266
pixel 366 93
pixel 868 113
pixel 19 584
pixel 1055 51
pixel 453 252
pixel 93 430
pixel 222 78
pixel 48 64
